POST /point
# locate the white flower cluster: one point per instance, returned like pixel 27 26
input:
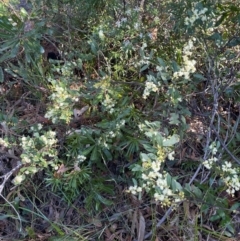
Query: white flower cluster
pixel 229 174
pixel 136 26
pixel 150 86
pixel 129 12
pixel 149 132
pixel 27 143
pixel 4 142
pixel 48 139
pixel 37 151
pixel 196 15
pixel 36 128
pixel 120 22
pixel 81 158
pixel 127 43
pixel 142 127
pixel 112 134
pixel 165 188
pixel 156 20
pixel 106 138
pixel 12 22
pixel 166 192
pixel 40 144
pixel 188 64
pixel 153 179
pixel 144 58
pixel 109 104
pixel 136 9
pixel 135 189
pixel 62 100
pixel 171 156
pixel 231 178
pixel 120 124
pixel 211 161
pixel 18 179
pixel 150 35
pixel 144 61
pixel 103 142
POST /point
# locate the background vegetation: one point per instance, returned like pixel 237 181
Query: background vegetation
pixel 119 120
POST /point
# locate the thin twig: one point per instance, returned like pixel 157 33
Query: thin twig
pixel 225 147
pixel 5 179
pixel 7 176
pixel 160 222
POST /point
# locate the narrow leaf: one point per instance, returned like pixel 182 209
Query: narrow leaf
pixel 141 227
pixel 144 67
pixel 1 75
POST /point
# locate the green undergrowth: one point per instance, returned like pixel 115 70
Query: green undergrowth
pixel 119 120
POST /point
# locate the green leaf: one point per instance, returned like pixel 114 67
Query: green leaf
pixel 88 150
pixel 5 24
pixel 134 182
pixel 4 217
pixel 170 141
pixel 101 35
pixel 144 157
pixel 165 77
pixel 154 125
pixel 16 19
pixel 187 188
pixel 8 44
pixel 23 12
pixel 235 206
pixel 90 138
pixel 107 154
pixel 197 192
pixel 169 180
pixel 215 36
pixel 93 47
pixel 1 75
pixel 73 183
pixel 104 200
pixel 161 62
pixel 199 76
pixel 5 57
pixel 174 119
pixel 175 66
pixel 149 148
pixel 174 186
pixel 144 67
pixel 234 42
pixel 41 50
pixel 152 156
pixel 6 36
pixel 132 147
pixel 222 18
pixel 205 208
pixel 14 51
pixel 95 154
pixel 230 229
pixel 214 218
pixel 159 139
pixel 136 168
pixel 57 229
pixel 178 186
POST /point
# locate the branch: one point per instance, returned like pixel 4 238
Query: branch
pixel 5 179
pixel 160 222
pixel 225 147
pixel 7 176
